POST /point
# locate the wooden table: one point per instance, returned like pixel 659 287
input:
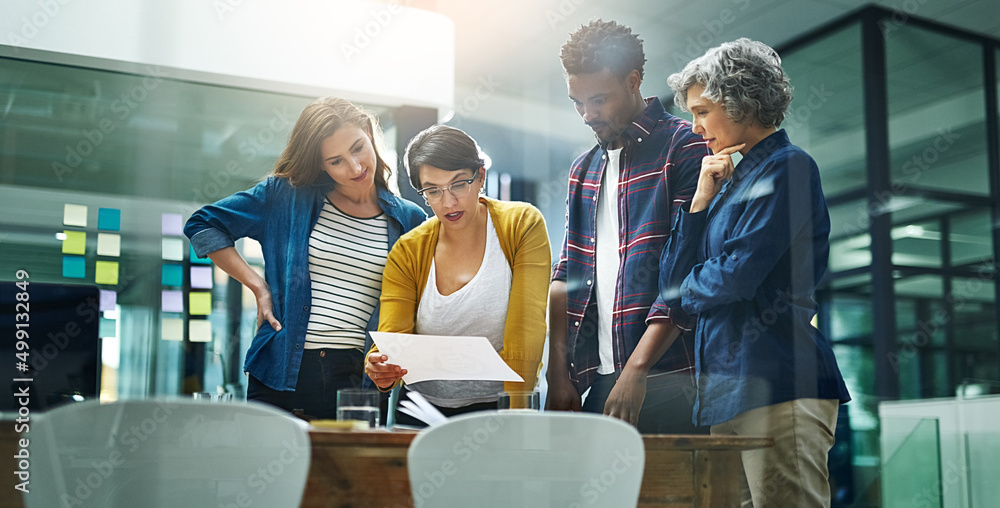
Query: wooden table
pixel 368 469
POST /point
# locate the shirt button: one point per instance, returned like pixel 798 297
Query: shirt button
pixel 734 256
pixel 592 240
pixel 322 354
pixel 589 282
pixel 305 308
pixel 604 157
pixel 639 140
pixel 576 323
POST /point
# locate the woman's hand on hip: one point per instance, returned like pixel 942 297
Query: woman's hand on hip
pixel 265 310
pixel 383 374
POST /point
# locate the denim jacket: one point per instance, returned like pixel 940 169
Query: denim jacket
pixel 281 218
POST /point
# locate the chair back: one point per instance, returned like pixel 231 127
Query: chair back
pixel 527 459
pixel 159 453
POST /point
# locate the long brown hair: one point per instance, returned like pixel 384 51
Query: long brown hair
pixel 301 162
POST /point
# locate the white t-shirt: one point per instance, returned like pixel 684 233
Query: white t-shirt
pixel 479 309
pixel 607 261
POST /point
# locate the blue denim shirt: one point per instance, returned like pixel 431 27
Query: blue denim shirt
pixel 281 218
pixel 747 268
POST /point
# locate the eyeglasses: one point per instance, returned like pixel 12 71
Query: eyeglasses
pixel 457 189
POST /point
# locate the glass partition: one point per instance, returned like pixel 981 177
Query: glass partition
pixel 98 171
pixel 911 463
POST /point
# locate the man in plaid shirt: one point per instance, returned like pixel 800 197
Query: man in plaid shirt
pixel 609 328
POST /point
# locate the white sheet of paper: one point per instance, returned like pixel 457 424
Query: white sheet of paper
pixel 427 357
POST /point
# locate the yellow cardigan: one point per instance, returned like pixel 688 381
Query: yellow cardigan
pixel 525 243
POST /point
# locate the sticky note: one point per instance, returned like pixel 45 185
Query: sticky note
pixel 75 215
pixel 74 267
pixel 106 272
pixel 172 301
pixel 200 330
pixel 109 244
pixel 200 303
pixel 172 224
pixel 197 260
pixel 109 219
pixel 75 242
pixel 172 329
pixel 172 275
pixel 173 249
pixel 107 328
pixel 201 277
pixel 109 299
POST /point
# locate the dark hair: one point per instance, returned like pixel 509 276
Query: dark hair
pixel 444 148
pixel 301 161
pixel 600 45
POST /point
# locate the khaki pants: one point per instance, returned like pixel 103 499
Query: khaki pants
pixel 793 473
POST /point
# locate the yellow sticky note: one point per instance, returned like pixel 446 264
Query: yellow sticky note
pixel 199 303
pixel 109 244
pixel 75 242
pixel 106 272
pixel 200 330
pixel 172 329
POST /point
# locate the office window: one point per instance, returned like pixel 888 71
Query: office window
pixel 937 129
pixel 826 117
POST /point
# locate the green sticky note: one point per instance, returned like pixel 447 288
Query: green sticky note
pixel 172 275
pixel 106 272
pixel 199 303
pixel 75 242
pixel 74 267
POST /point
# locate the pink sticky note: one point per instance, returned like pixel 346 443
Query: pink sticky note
pixel 201 277
pixel 108 300
pixel 173 301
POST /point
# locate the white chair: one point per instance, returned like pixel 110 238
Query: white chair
pixel 527 459
pixel 158 453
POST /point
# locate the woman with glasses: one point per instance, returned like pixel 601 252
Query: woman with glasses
pixel 326 221
pixel 479 267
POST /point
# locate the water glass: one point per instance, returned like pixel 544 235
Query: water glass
pixel 519 400
pixel 202 396
pixel 358 404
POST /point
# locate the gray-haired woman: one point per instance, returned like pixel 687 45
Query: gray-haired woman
pixel 744 259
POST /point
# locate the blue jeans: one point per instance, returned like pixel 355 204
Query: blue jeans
pixel 323 372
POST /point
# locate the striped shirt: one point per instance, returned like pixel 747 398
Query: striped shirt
pixel 346 258
pixel 660 163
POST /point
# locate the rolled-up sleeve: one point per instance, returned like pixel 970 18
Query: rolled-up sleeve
pixel 220 224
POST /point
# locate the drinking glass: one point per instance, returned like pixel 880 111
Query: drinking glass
pixel 358 404
pixel 518 400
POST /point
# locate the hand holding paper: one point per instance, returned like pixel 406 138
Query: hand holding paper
pixel 427 357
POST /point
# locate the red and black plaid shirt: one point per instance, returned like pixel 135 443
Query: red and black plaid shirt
pixel 660 163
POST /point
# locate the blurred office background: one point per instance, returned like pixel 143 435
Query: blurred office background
pixel 118 119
